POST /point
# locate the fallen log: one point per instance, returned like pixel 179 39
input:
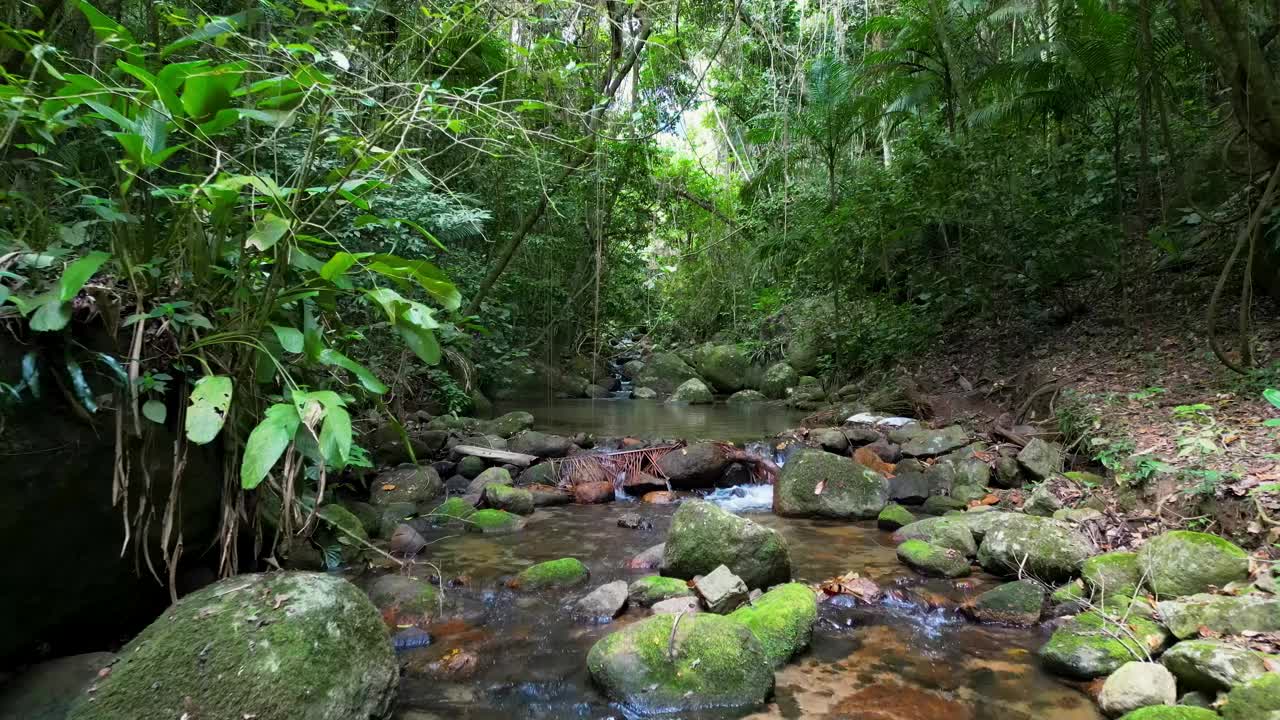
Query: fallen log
pixel 513 458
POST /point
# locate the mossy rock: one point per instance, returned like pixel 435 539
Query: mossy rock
pixel 505 497
pixel 745 397
pixel 931 443
pixel 981 519
pixel 1048 550
pixel 1255 700
pixel 929 559
pixel 407 483
pixel 1090 645
pixel 494 522
pixel 678 663
pixel 278 646
pixel 1171 712
pixel 724 366
pixel 704 536
pixel 947 532
pixel 562 573
pixel 1214 666
pixel 655 588
pixel 471 466
pixel 1017 603
pixel 504 426
pixel 370 516
pixel 779 378
pixel 1069 593
pixel 941 504
pixel 544 473
pixel 1112 575
pixel 894 516
pixel 408 594
pixel 692 391
pixel 1223 614
pixel 782 619
pixel 392 515
pixel 451 510
pixel 1185 563
pixel 664 372
pixel 968 493
pixel 1040 459
pixel 815 483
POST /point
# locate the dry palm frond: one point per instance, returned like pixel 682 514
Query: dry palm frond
pixel 612 467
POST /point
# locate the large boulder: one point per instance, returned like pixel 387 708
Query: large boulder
pixel 778 379
pixel 631 369
pixel 408 483
pixel 1113 575
pixel 692 391
pixel 724 366
pixel 543 445
pixel 1136 685
pixel 746 397
pixel 932 443
pixel 664 372
pixel 1040 460
pixel 274 646
pixel 1214 666
pixel 1090 645
pixel 782 619
pixel 46 691
pixel 1185 563
pixel 1222 614
pixel 1048 550
pixel 1255 700
pixel 677 663
pixel 703 536
pixel 814 483
pixel 694 466
pixel 945 531
pixel 505 426
pixel 1017 603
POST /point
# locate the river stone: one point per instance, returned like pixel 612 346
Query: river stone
pixel 724 366
pixel 407 594
pixel 504 426
pixel 908 487
pixel 941 504
pixel 505 497
pixel 543 445
pixel 703 536
pixel 1040 460
pixel 1078 515
pixel 543 473
pixel 1111 575
pixel 814 483
pixel 714 662
pixel 1090 646
pixel 676 605
pixel 470 466
pixel 969 493
pixel 631 369
pixel 980 520
pixel 931 443
pixel 664 372
pixel 1182 562
pixel 1225 614
pixel 1017 603
pixel 277 646
pixel 941 531
pixel 46 691
pixel 605 602
pixel 451 510
pixel 459 423
pixel 644 393
pixel 782 619
pixel 778 378
pixel 1213 666
pixel 548 495
pixel 928 559
pixel 493 476
pixel 1048 550
pixel 1171 712
pixel 696 465
pixel 370 517
pixel 494 522
pixel 692 391
pixel 829 439
pixel 562 573
pixel 1135 685
pixel 597 392
pixel 392 515
pixel 407 483
pixel 654 589
pixel 894 516
pixel 743 397
pixel 721 591
pixel 1255 700
pixel 1007 473
pixel 1042 502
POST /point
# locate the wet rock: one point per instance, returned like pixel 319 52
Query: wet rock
pixel 1213 666
pixel 649 559
pixel 493 476
pixel 406 541
pixel 1184 563
pixel 1017 603
pixel 1068 599
pixel 592 493
pixel 829 439
pixel 661 498
pixel 456 485
pixel 909 487
pixel 543 445
pixel 223 652
pixel 633 521
pixel 392 515
pixel 721 591
pixel 1167 712
pixel 981 519
pixel 408 595
pixel 860 436
pixel 1224 614
pixel 451 422
pixel 548 496
pixel 724 366
pixel 1078 516
pixel 1040 460
pixel 631 369
pixel 932 443
pixel 704 536
pixel 806 397
pixel 445 468
pixel 1050 550
pixel 814 483
pixel 1090 646
pixel 407 483
pixel 893 517
pixel 778 379
pixel 654 589
pixel 782 619
pixel 470 466
pixel 492 442
pixel 644 393
pixel 505 426
pixel 746 397
pixel 562 573
pixel 505 497
pixel 713 662
pixel 1136 685
pixel 597 392
pixel 677 605
pixel 692 391
pixel 941 477
pixel 933 560
pixel 451 510
pixel 1255 700
pixel 46 691
pixel 1111 575
pixel 1042 502
pixel 543 473
pixel 696 465
pixel 943 531
pixel 494 522
pixel 605 602
pixel 885 450
pixel 370 517
pixel 664 372
pixel 1007 473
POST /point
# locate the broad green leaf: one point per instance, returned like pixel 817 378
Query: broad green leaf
pixel 1273 422
pixel 422 342
pixel 339 264
pixel 267 231
pixel 51 315
pixel 389 300
pixel 291 339
pixel 266 443
pixel 215 28
pixel 368 380
pixel 78 273
pixel 111 32
pixel 210 400
pixel 155 411
pixel 79 384
pixel 428 276
pixel 1272 395
pixel 207 92
pixel 165 95
pixel 335 436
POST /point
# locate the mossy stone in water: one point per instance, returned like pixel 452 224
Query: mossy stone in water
pixel 940 504
pixel 1090 645
pixel 1255 700
pixel 1048 550
pixel 562 573
pixel 1016 603
pixel 1112 575
pixel 451 510
pixel 948 532
pixel 704 536
pixel 505 497
pixel 782 619
pixel 409 594
pixel 1214 666
pixel 407 483
pixel 1171 712
pixel 931 559
pixel 692 391
pixel 494 522
pixel 709 661
pixel 655 588
pixel 1185 563
pixel 278 646
pixel 815 483
pixel 894 516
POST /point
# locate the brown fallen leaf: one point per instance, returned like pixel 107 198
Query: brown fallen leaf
pixel 388 486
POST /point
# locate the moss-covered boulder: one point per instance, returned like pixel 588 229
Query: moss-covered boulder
pixel 664 372
pixel 277 646
pixel 494 522
pixel 968 493
pixel 704 536
pixel 929 559
pixel 1111 575
pixel 1042 502
pixel 1223 614
pixel 724 366
pixel 947 531
pixel 543 473
pixel 451 510
pixel 540 444
pixel 1048 550
pixel 562 573
pixel 1255 700
pixel 672 664
pixel 655 588
pixel 1090 645
pixel 1213 666
pixel 504 426
pixel 408 483
pixel 778 379
pixel 1039 460
pixel 493 476
pixel 814 483
pixel 1185 563
pixel 982 519
pixel 1171 712
pixel 407 594
pixel 941 504
pixel 511 499
pixel 782 619
pixel 1016 603
pixel 894 516
pixel 692 391
pixel 746 397
pixel 932 443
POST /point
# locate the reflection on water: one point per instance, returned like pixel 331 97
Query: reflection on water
pixel 655 419
pixel 909 658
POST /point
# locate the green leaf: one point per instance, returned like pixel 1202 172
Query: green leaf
pixel 164 94
pixel 51 315
pixel 1273 422
pixel 428 276
pixel 368 380
pixel 422 342
pixel 78 273
pixel 207 92
pixel 291 339
pixel 79 384
pixel 111 32
pixel 335 436
pixel 215 28
pixel 121 375
pixel 31 374
pixel 1272 396
pixel 210 400
pixel 339 264
pixel 266 443
pixel 268 231
pixel 155 411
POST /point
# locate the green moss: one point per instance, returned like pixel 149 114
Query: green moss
pixel 565 572
pixel 939 504
pixel 782 619
pixel 1214 666
pixel 947 532
pixel 505 497
pixel 1068 593
pixel 409 594
pixel 1112 575
pixel 1224 614
pixel 894 516
pixel 704 536
pixel 1091 645
pixel 455 508
pixel 655 588
pixel 493 522
pixel 1184 563
pixel 1255 700
pixel 1171 712
pixel 930 559
pixel 1015 603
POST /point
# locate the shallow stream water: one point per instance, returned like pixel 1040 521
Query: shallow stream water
pixel 656 419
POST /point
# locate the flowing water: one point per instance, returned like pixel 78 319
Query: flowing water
pixel 655 419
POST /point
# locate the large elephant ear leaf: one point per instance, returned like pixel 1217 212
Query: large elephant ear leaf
pixel 210 400
pixel 267 443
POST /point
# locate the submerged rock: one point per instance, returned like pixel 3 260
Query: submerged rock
pixel 929 559
pixel 407 483
pixel 1090 646
pixel 1223 614
pixel 1184 563
pixel 274 646
pixel 814 483
pixel 1049 550
pixel 692 391
pixel 672 664
pixel 494 522
pixel 605 602
pixel 1255 700
pixel 562 573
pixel 1213 666
pixel 703 536
pixel 1017 603
pixel 505 497
pixel 1136 685
pixel 654 589
pixel 782 619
